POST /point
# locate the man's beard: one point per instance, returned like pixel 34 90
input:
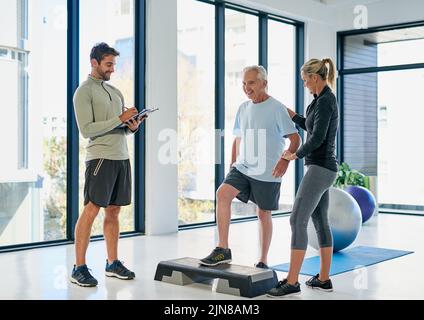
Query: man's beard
pixel 105 76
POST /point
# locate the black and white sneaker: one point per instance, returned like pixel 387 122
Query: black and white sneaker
pixel 261 265
pixel 217 256
pixel 316 283
pixel 284 289
pixel 118 270
pixel 81 276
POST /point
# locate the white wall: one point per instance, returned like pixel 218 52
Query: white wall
pixel 161 92
pixel 320 42
pixel 381 13
pixel 161 89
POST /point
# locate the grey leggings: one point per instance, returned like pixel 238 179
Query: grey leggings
pixel 312 199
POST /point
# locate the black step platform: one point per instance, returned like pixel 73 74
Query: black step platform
pixel 232 279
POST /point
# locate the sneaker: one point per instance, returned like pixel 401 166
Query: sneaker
pixel 217 256
pixel 82 277
pixel 118 270
pixel 316 283
pixel 261 265
pixel 284 289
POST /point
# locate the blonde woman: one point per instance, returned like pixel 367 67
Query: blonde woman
pixel 312 198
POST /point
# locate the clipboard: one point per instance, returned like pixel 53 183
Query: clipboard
pixel 139 115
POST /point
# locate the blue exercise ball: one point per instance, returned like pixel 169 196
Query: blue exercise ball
pixel 365 199
pixel 345 220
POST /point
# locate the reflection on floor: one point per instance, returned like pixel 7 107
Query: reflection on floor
pixel 43 273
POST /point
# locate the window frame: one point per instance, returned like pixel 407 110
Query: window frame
pixel 263 17
pixel 341 35
pixel 72 148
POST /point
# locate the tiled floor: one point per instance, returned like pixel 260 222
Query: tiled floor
pixel 43 273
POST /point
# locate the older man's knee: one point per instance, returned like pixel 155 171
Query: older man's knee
pixel 224 194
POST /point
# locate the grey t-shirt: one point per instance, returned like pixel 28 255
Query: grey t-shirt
pixel 98 106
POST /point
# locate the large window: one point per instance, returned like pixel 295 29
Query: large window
pixel 400 110
pixel 382 76
pixel 110 21
pixel 33 121
pixel 281 85
pixel 215 43
pixel 241 50
pixel 196 112
pixel 384 48
pixel 40 53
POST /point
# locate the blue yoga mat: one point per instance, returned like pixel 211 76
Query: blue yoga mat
pixel 347 260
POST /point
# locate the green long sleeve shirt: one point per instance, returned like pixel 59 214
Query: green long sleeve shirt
pixel 97 107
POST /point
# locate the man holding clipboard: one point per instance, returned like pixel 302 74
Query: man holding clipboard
pixel 103 120
pixel 143 114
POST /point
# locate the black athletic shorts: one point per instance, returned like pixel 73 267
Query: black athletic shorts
pixel 265 194
pixel 107 182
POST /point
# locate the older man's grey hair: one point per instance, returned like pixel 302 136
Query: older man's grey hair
pixel 262 74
